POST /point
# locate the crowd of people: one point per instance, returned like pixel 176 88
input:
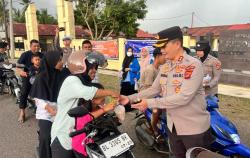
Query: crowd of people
pixel 169 81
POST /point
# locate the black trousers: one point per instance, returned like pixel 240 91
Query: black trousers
pixel 180 144
pixel 59 152
pixel 44 138
pixel 127 89
pixel 25 90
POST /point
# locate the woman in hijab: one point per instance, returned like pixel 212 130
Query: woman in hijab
pixel 131 74
pixel 211 68
pixel 145 59
pixel 75 89
pixel 45 91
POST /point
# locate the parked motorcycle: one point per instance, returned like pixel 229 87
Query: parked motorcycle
pixel 145 133
pixel 106 140
pixel 12 82
pixel 227 138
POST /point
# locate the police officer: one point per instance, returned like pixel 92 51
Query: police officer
pixel 180 81
pixel 66 50
pixel 211 67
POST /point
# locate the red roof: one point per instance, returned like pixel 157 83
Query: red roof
pixel 45 30
pixel 49 30
pixel 216 30
pixel 142 34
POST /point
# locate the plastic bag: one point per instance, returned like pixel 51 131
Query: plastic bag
pixel 136 85
pixel 120 112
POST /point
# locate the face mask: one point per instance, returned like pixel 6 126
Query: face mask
pixel 129 54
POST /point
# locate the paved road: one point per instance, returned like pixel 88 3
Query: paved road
pixel 20 140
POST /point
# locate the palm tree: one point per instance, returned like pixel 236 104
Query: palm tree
pixel 44 18
pixel 25 4
pixel 3 17
pixel 18 16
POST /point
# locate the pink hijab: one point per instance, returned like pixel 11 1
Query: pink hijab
pixel 145 59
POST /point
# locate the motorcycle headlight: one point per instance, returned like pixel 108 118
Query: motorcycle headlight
pixel 233 137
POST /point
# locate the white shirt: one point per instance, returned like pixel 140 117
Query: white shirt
pixel 72 89
pixel 41 112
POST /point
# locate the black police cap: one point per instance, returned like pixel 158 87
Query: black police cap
pixel 167 35
pixel 202 45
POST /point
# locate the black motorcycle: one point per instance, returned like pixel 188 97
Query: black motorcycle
pixel 10 81
pixel 13 83
pixel 108 141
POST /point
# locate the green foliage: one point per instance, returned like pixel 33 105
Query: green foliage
pixel 106 17
pixel 44 18
pixel 18 16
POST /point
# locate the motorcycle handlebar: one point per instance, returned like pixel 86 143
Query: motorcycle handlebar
pixel 75 133
pixel 84 130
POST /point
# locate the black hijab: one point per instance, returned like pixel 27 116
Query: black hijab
pixel 46 85
pixel 206 52
pixel 126 62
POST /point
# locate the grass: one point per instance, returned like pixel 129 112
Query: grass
pixel 110 82
pixel 232 107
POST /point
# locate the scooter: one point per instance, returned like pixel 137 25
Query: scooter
pixel 227 138
pixel 102 137
pixel 145 133
pixel 12 82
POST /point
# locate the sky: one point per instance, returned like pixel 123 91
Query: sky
pixel 166 13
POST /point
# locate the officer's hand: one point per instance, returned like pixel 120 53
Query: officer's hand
pixel 23 74
pixel 123 100
pixel 142 106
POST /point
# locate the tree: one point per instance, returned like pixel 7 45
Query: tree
pixel 25 4
pixel 4 17
pixel 18 16
pixel 44 18
pixel 106 17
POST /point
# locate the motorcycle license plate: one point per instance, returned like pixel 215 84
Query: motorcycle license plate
pixel 116 146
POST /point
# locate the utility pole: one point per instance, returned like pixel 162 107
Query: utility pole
pixel 12 44
pixel 5 21
pixel 192 22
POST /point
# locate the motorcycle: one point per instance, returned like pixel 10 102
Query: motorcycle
pixel 227 140
pixel 145 133
pixel 227 137
pixel 12 82
pixel 106 140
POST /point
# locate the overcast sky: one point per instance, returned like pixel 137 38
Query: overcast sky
pixel 207 12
